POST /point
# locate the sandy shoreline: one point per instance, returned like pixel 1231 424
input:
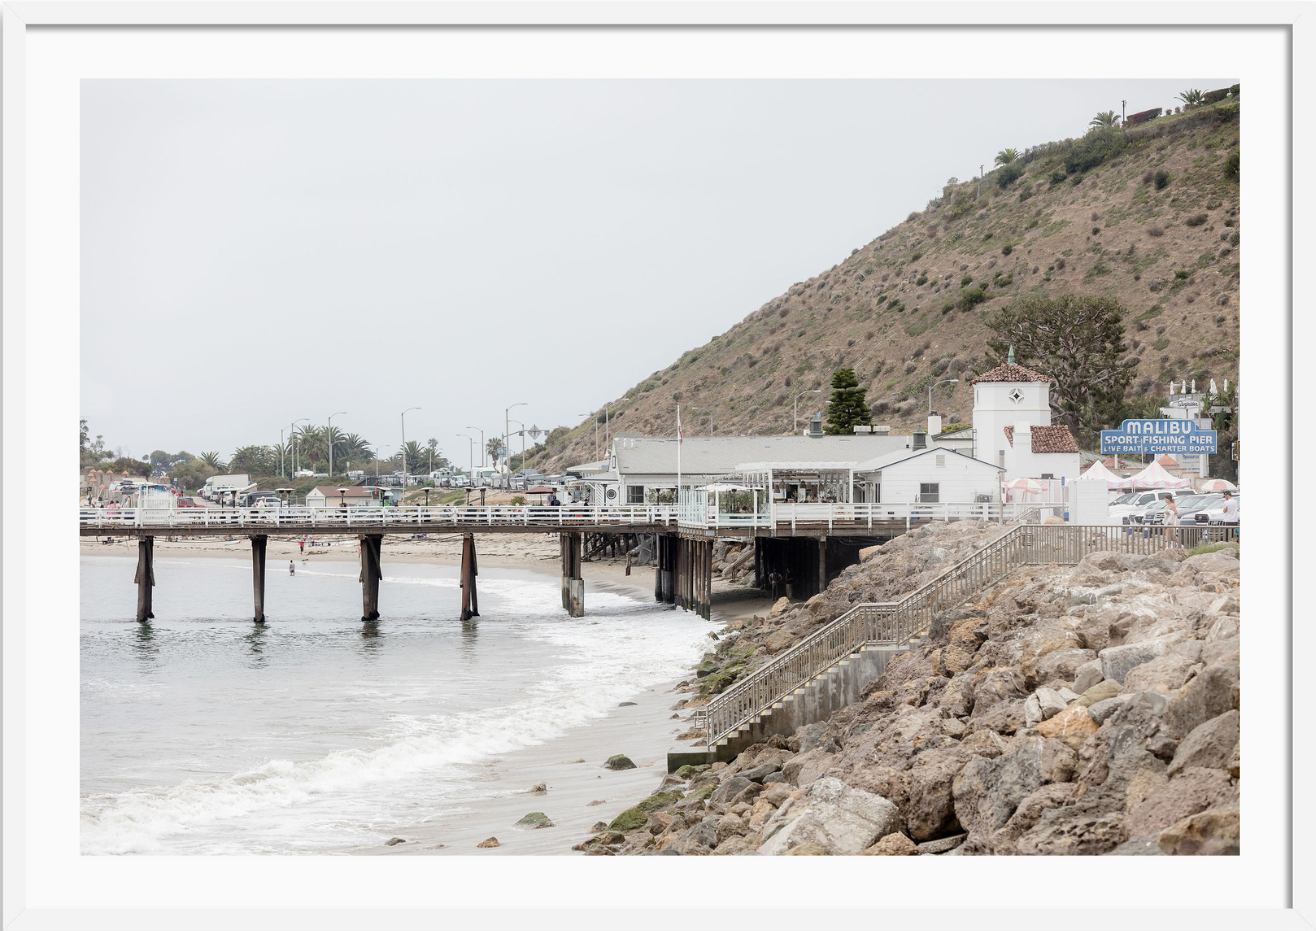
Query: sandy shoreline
pixel 571 765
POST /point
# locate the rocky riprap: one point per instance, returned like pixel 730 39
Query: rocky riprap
pixel 888 573
pixel 1068 710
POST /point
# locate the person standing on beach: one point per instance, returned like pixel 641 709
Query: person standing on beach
pixel 302 543
pixel 292 569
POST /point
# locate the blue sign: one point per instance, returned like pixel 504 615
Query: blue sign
pixel 1183 437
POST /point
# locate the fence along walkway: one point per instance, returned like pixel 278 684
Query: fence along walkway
pixel 897 623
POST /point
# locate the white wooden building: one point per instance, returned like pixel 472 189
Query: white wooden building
pixel 933 475
pixel 1012 425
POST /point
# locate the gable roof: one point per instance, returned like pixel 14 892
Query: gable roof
pixel 884 462
pixel 1052 439
pixel 1009 372
pixel 717 455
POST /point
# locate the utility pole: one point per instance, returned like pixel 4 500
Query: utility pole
pixel 795 428
pixel 979 194
pixel 1123 104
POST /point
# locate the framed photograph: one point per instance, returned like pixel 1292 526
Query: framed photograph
pixel 752 431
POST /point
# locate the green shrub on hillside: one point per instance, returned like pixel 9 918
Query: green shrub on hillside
pixel 1009 173
pixel 1093 149
pixel 1231 167
pixel 1161 179
pixel 971 296
pixel 1058 176
pixel 1197 220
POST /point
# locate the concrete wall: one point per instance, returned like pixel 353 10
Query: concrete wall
pixel 823 696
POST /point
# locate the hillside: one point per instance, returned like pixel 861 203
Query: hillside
pixel 1147 215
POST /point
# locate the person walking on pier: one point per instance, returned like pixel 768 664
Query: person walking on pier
pixel 1171 518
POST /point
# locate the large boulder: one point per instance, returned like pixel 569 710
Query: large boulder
pixel 804 768
pixel 1214 832
pixel 1211 693
pixel 1061 833
pixel 1064 665
pixel 893 845
pixel 1117 662
pixel 840 819
pixel 987 791
pixel 1163 674
pixel 1073 725
pixel 1087 675
pixel 930 809
pixel 1041 705
pixel 1188 793
pixel 1210 744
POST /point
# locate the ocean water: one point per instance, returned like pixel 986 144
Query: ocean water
pixel 203 733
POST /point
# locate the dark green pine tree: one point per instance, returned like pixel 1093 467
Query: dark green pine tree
pixel 847 406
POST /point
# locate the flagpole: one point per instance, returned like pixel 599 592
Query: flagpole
pixel 679 440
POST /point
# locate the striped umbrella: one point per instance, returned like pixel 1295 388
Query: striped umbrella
pixel 1218 484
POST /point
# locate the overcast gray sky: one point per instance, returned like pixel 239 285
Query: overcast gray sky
pixel 255 252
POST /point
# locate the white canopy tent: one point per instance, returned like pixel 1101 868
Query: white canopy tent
pixel 1154 476
pixel 1098 472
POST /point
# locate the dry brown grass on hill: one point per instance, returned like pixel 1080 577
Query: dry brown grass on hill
pixel 1156 227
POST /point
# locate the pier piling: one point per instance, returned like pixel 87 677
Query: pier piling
pixel 371 573
pixel 573 585
pixel 145 577
pixel 258 542
pixel 470 598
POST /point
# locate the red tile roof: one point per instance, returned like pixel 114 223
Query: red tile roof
pixel 1054 439
pixel 1009 372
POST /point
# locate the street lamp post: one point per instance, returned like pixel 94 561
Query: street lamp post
pixel 330 439
pixel 521 432
pixel 507 438
pixel 403 418
pixel 469 427
pixel 606 437
pixel 596 433
pixel 944 381
pixel 795 428
pixel 471 449
pixel 292 438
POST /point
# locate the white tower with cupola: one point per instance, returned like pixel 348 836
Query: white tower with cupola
pixel 1005 397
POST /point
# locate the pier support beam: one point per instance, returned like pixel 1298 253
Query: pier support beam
pixel 470 598
pixel 371 573
pixel 258 543
pixel 694 576
pixel 145 577
pixel 664 576
pixel 573 586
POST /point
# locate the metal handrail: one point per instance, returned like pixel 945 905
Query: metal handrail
pixel 896 623
pixel 300 518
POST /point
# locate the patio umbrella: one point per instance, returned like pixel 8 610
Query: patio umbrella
pixel 1026 485
pixel 1218 484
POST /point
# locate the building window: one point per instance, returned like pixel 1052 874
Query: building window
pixel 1016 396
pixel 1047 475
pixel 635 494
pixel 929 492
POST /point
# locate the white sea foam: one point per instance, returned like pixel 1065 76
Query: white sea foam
pixel 561 673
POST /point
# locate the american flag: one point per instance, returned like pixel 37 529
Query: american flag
pixel 680 437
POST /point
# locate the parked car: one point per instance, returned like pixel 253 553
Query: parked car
pixel 1214 513
pixel 1138 501
pixel 253 499
pixel 185 501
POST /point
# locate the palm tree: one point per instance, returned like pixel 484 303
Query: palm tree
pixel 1006 156
pixel 213 461
pixel 1191 98
pixel 1108 120
pixel 415 454
pixel 493 445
